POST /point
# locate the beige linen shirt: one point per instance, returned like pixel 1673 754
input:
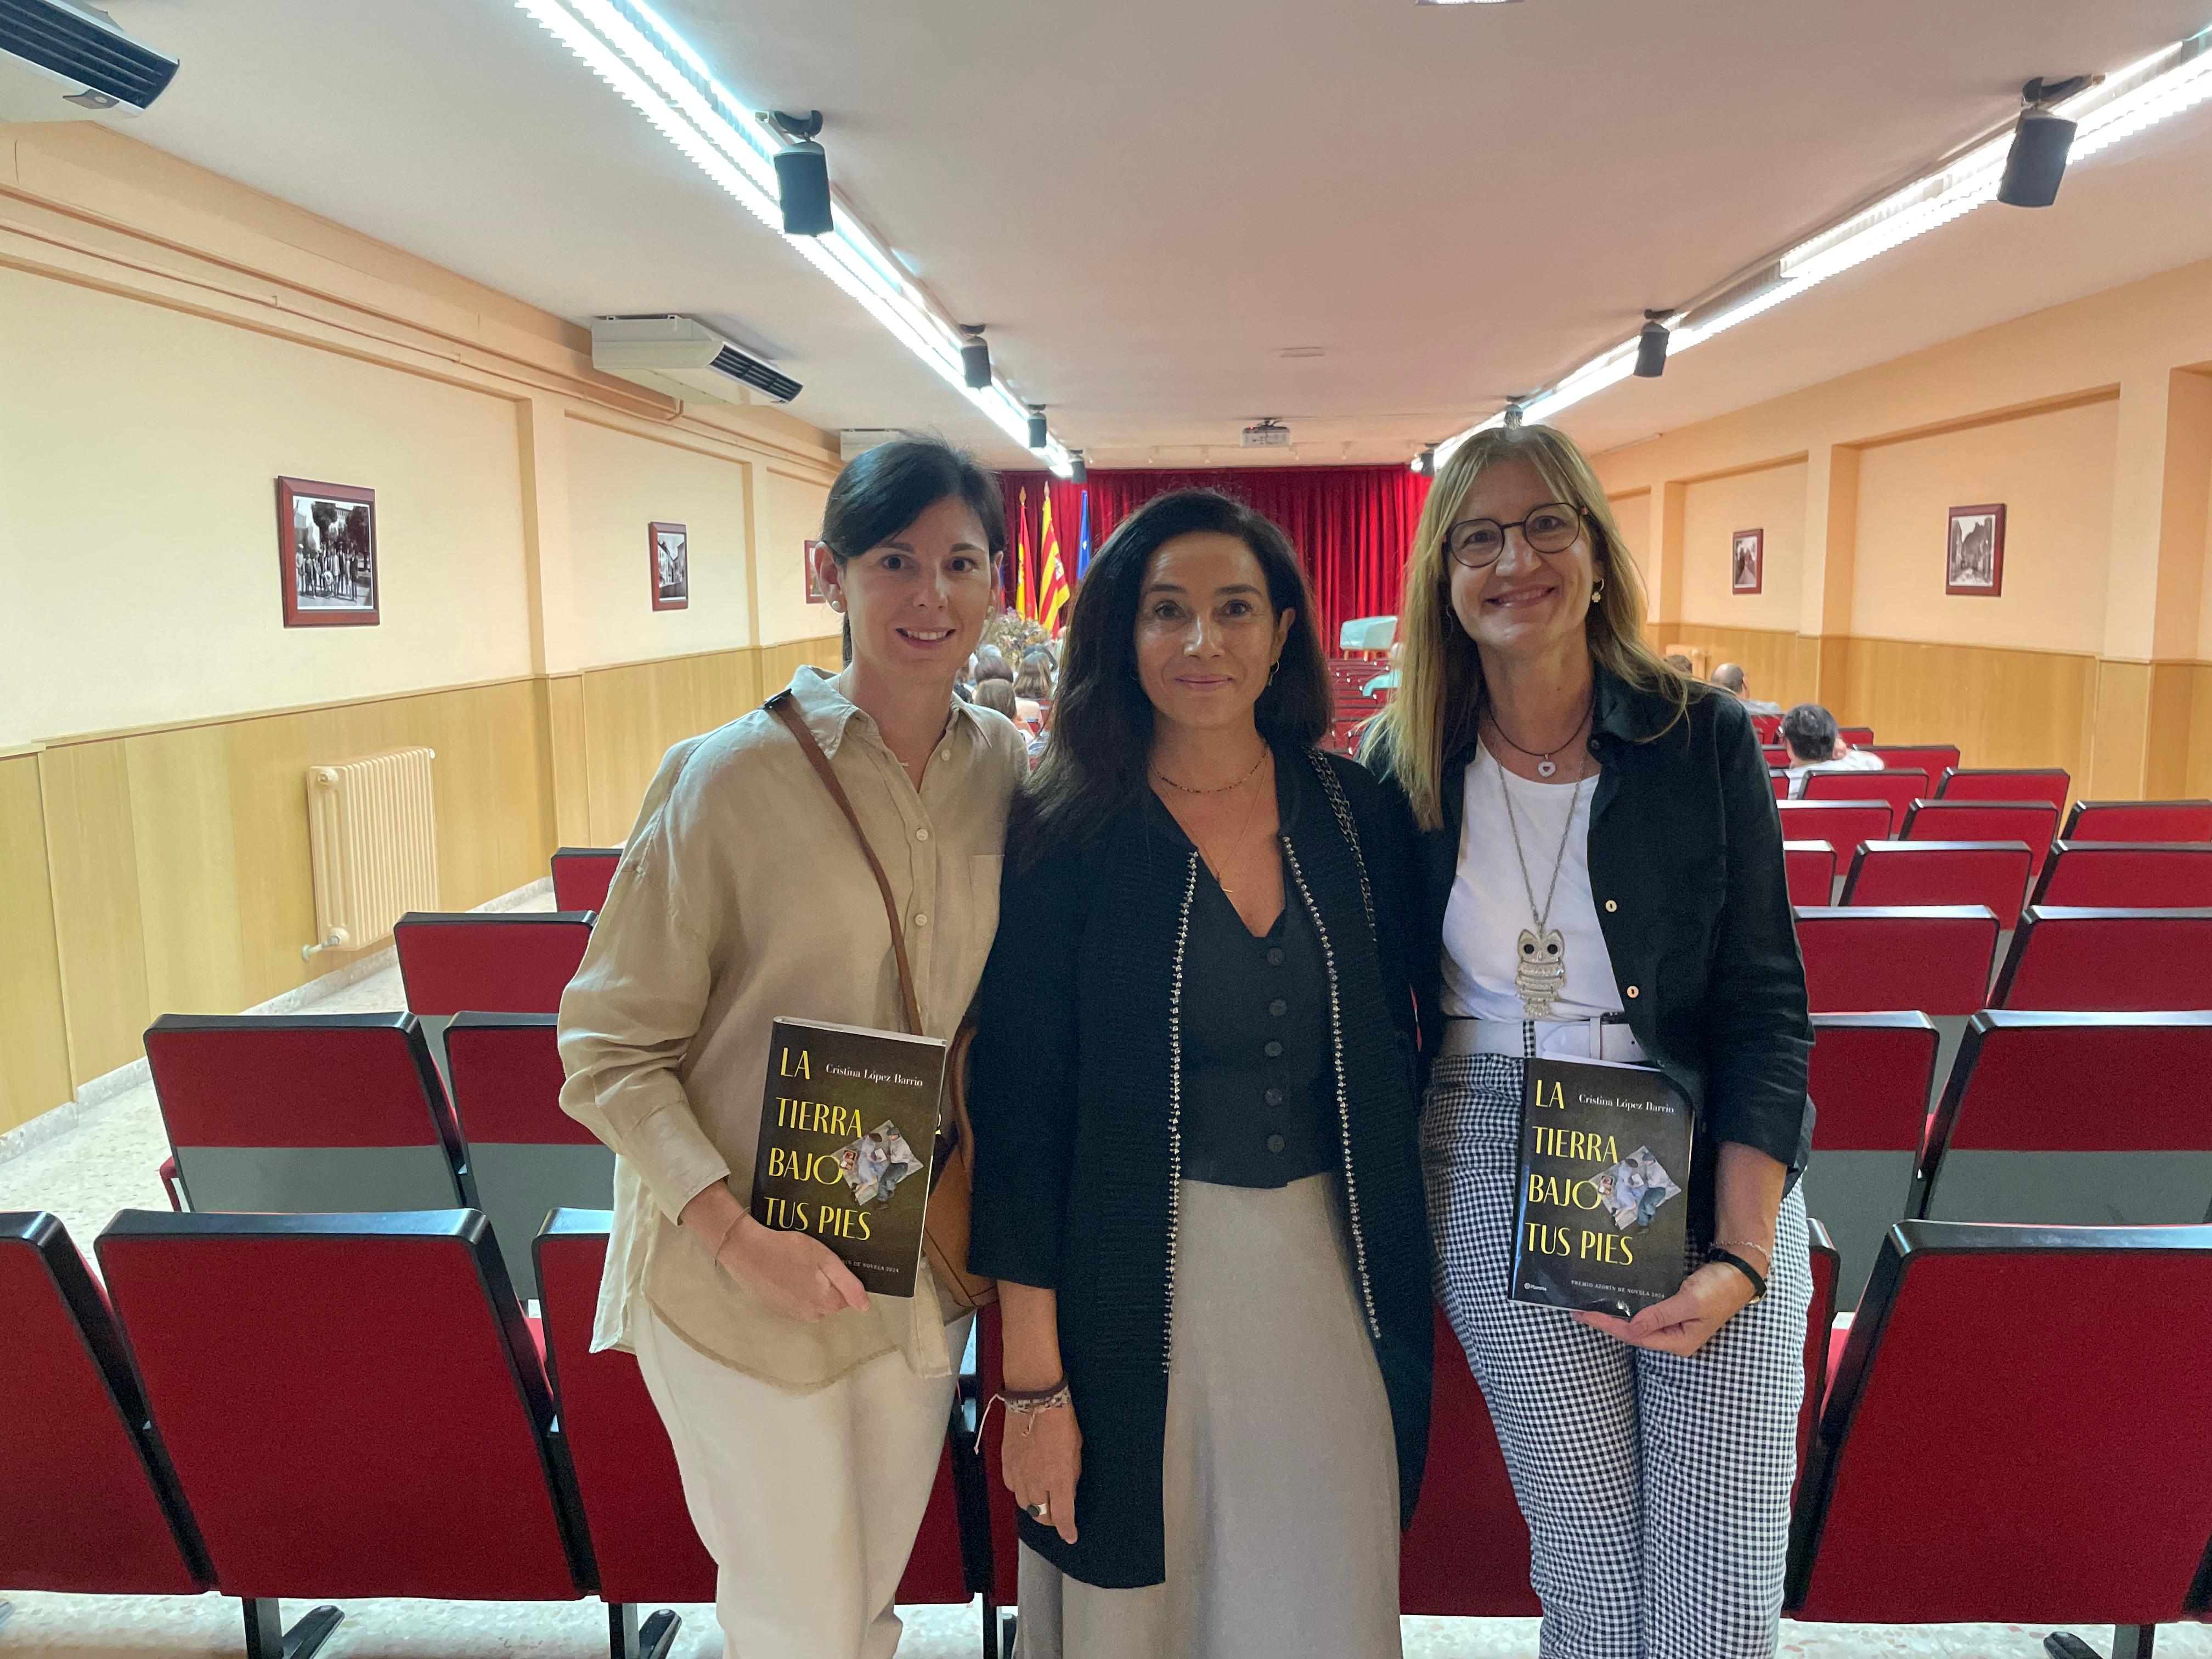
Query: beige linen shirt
pixel 743 897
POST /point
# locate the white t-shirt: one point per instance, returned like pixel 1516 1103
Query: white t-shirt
pixel 1489 908
pixel 1856 760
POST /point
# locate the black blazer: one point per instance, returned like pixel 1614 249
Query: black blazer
pixel 1687 867
pixel 1069 1093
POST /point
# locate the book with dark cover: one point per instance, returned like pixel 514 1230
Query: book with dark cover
pixel 849 1126
pixel 1601 1222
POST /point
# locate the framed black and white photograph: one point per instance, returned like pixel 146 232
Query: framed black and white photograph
pixel 1973 559
pixel 326 554
pixel 669 546
pixel 1747 561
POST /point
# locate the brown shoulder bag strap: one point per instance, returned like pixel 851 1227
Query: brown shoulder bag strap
pixel 781 706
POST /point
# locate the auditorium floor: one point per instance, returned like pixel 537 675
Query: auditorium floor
pixel 109 1162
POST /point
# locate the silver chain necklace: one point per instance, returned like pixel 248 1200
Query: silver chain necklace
pixel 1540 969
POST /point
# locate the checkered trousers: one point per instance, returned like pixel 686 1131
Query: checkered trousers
pixel 1657 1488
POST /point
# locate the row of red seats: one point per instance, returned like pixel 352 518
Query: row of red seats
pixel 2092 874
pixel 1769 728
pixel 345 1406
pixel 255 1416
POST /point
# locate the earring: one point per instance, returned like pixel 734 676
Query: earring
pixel 1273 669
pixel 1598 590
pixel 837 605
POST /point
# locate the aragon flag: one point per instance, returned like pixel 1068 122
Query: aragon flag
pixel 1022 556
pixel 1052 579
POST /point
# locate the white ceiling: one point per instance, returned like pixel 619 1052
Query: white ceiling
pixel 1148 201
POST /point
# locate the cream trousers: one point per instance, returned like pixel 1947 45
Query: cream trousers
pixel 808 1503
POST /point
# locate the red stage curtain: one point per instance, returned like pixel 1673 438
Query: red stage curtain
pixel 1353 525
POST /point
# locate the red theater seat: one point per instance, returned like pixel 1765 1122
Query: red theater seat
pixel 87 1503
pixel 627 1482
pixel 1812 871
pixel 1781 783
pixel 1932 957
pixel 1767 726
pixel 2048 783
pixel 1467 1553
pixel 2140 820
pixel 2018 1433
pixel 2125 875
pixel 2034 822
pixel 1990 873
pixel 1870 1082
pixel 2093 1119
pixel 1901 788
pixel 1932 758
pixel 581 875
pixel 352 1403
pixel 515 962
pixel 306 1112
pixel 1819 1317
pixel 527 1155
pixel 1842 823
pixel 1859 737
pixel 1776 754
pixel 2108 961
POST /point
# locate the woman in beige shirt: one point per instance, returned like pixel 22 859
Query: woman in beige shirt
pixel 806 1416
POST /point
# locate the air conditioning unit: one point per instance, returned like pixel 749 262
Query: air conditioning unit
pixel 54 52
pixel 678 356
pixel 1267 435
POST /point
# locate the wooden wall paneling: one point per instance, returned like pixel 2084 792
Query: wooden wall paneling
pixel 34 1061
pixel 2118 755
pixel 2002 708
pixel 269 757
pixel 778 663
pixel 186 856
pixel 1769 658
pixel 85 800
pixel 491 787
pixel 569 779
pixel 2197 764
pixel 2172 687
pixel 635 712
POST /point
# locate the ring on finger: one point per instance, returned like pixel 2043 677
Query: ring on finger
pixel 1039 1512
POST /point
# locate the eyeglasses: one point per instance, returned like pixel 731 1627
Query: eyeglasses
pixel 1551 528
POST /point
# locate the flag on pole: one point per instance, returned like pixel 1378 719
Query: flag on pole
pixel 1021 558
pixel 1082 538
pixel 1052 579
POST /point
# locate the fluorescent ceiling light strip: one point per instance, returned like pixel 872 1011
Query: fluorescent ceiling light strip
pixel 696 113
pixel 2152 89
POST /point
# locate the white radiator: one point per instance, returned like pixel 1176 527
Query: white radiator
pixel 373 841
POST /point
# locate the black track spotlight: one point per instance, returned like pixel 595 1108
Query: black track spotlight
pixel 1425 463
pixel 802 173
pixel 1651 346
pixel 1038 436
pixel 975 357
pixel 2037 160
pixel 1077 471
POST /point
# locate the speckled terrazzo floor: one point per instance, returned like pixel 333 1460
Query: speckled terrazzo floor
pixel 109 1162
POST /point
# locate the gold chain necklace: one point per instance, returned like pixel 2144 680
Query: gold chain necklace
pixel 1213 866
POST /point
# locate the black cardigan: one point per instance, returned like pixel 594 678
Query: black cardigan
pixel 1069 1095
pixel 1685 865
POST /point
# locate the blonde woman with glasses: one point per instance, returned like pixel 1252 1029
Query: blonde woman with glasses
pixel 1570 786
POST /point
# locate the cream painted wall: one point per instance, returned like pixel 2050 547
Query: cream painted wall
pixel 1772 498
pixel 618 482
pixel 139 450
pixel 2053 471
pixel 789 515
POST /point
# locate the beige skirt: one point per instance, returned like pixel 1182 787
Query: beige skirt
pixel 1280 1484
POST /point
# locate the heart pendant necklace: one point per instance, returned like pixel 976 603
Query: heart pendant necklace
pixel 1547 765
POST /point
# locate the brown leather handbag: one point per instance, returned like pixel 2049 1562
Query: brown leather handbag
pixel 951 1165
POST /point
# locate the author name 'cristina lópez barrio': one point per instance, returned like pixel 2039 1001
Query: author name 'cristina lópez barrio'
pixel 1605 1157
pixel 848 1125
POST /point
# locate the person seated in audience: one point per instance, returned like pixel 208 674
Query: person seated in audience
pixel 1810 733
pixel 1729 677
pixel 807 1417
pixel 1680 664
pixel 998 695
pixel 1033 688
pixel 991 663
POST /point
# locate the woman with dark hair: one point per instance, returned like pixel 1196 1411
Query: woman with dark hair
pixel 1196 1178
pixel 1577 794
pixel 807 1418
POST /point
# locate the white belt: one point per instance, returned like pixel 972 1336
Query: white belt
pixel 1563 1039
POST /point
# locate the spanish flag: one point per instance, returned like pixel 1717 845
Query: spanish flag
pixel 1052 582
pixel 1022 556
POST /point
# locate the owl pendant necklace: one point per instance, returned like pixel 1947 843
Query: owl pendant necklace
pixel 1540 969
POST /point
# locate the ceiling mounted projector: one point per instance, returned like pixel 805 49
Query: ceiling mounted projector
pixel 680 358
pixel 1267 435
pixel 55 52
